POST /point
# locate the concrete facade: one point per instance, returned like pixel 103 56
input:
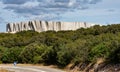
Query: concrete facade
pixel 41 26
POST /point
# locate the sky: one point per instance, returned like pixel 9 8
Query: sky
pixel 92 11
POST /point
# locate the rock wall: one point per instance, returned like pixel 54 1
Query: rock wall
pixel 41 26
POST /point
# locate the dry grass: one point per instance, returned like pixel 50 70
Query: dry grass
pixel 3 70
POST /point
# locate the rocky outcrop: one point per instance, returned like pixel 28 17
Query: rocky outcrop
pixel 41 26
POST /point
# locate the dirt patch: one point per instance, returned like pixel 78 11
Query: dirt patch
pixel 99 66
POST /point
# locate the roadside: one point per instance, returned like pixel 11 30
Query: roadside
pixel 29 68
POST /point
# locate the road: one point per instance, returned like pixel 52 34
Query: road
pixel 29 68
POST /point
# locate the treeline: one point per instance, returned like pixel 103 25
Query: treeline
pixel 63 47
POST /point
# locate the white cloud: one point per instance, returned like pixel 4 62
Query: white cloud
pixel 30 4
pixel 44 5
pixel 45 9
pixel 71 2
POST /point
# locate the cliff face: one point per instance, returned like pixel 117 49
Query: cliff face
pixel 41 26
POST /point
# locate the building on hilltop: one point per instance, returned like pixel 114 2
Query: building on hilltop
pixel 41 26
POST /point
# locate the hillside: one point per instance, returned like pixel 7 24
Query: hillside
pixel 82 48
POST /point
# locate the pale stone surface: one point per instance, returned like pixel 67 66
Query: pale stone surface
pixel 41 26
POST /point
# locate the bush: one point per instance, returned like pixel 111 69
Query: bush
pixel 99 51
pixel 30 52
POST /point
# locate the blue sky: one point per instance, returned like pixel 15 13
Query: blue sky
pixel 93 11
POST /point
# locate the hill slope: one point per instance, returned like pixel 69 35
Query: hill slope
pixel 81 48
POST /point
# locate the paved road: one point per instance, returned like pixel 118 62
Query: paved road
pixel 29 68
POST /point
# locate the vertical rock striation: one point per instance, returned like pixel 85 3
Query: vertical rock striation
pixel 41 26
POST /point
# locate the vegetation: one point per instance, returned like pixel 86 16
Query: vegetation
pixel 62 47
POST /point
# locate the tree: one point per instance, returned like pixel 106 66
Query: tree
pixel 11 54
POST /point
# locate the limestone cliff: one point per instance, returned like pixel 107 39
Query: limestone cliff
pixel 41 26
